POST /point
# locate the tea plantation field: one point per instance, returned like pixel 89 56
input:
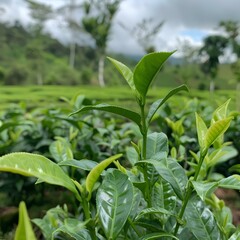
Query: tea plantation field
pixel 56 96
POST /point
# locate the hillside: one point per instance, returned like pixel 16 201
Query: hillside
pixel 26 59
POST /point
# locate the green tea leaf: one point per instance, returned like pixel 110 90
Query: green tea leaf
pixel 73 228
pixel 216 130
pixel 135 117
pixel 163 196
pixel 221 155
pixel 204 189
pixel 170 174
pixel 200 220
pixel 125 72
pixel 153 210
pixel 96 172
pixel 157 104
pixel 201 131
pixel 157 146
pixel 232 182
pixel 35 165
pixel 221 112
pixel 61 150
pixel 147 69
pixel 235 235
pixel 158 235
pixel 24 229
pixel 83 164
pixel 114 202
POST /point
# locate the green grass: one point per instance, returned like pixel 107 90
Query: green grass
pixel 40 96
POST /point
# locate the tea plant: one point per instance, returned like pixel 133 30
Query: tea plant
pixel 154 197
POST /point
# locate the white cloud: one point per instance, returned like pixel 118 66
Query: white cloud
pixel 184 20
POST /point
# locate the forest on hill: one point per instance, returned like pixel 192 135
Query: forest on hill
pixel 31 56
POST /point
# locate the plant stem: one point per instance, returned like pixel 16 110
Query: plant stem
pixel 189 190
pixel 144 154
pixel 144 133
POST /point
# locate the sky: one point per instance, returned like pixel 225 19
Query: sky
pixel 184 20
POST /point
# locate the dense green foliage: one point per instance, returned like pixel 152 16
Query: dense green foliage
pixel 162 183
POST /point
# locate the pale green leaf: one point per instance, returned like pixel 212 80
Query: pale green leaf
pixel 97 170
pixel 147 69
pixel 24 229
pixel 114 202
pixel 216 130
pixel 232 182
pixel 221 112
pixel 124 71
pixel 38 166
pixel 201 131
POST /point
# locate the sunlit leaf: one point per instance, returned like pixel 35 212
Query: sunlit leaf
pixel 201 130
pixel 97 170
pixel 125 72
pixel 24 229
pixel 35 165
pixel 216 130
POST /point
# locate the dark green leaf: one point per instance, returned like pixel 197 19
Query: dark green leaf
pixel 153 210
pixel 83 164
pixel 169 175
pixel 135 117
pixel 200 220
pixel 157 146
pixel 147 69
pixel 114 202
pixel 204 189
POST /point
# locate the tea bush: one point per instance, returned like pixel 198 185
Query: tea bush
pixel 158 187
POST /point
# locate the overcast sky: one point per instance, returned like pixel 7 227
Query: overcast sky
pixel 190 20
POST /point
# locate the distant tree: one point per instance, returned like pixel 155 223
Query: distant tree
pixel 97 22
pixel 145 33
pixel 232 29
pixel 68 12
pixel 40 13
pixel 213 47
